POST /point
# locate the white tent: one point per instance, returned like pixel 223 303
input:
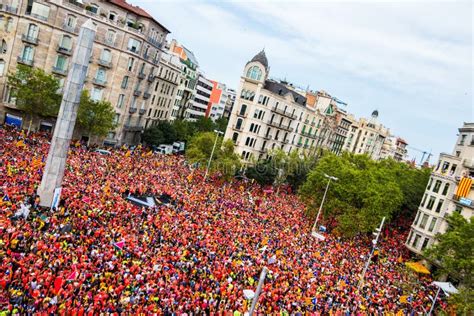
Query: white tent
pixel 447 287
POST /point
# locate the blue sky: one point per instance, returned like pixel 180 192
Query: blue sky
pixel 410 60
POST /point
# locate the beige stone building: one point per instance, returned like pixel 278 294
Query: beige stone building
pixel 124 68
pixel 449 190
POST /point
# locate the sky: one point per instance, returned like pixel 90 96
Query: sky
pixel 410 60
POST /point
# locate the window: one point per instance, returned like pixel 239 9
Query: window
pixel 424 200
pixel 425 243
pixel 92 8
pixel 131 60
pixel 431 203
pixel 28 53
pixel 101 75
pixel 110 37
pixel 112 16
pixel 124 82
pixel 2 67
pixel 429 184
pixel 243 108
pixel 238 125
pixel 66 42
pixel 432 224
pixel 463 139
pixel 120 100
pixel 96 94
pixel 415 241
pixel 70 21
pixel 437 186
pixel 116 118
pixel 106 55
pixel 424 220
pixel 235 136
pixel 254 73
pixel 439 206
pixel 133 45
pixel 3 47
pixel 32 31
pixel 445 189
pixel 40 11
pixel 61 63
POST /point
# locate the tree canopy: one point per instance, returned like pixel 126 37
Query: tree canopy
pixel 454 252
pixel 224 160
pixel 95 117
pixel 366 191
pixel 36 92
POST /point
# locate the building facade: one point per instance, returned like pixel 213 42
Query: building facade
pixel 218 101
pixel 197 107
pixel 395 148
pixel 229 105
pixel 269 115
pixel 449 190
pixel 126 53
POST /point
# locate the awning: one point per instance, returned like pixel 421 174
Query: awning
pixel 447 287
pixel 417 267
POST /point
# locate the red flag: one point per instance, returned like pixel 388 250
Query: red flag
pixel 58 283
pixel 86 200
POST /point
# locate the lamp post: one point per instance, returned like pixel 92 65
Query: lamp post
pixel 377 233
pixel 259 290
pixel 212 152
pixel 324 198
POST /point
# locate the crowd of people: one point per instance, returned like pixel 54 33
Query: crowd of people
pixel 99 253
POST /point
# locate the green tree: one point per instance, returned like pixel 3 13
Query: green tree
pixel 95 117
pixel 153 136
pixel 204 124
pixel 454 252
pixel 366 191
pixel 224 160
pixel 221 124
pixel 183 130
pixel 36 92
pixel 264 172
pixel 169 132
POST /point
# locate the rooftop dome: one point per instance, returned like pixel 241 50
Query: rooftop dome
pixel 375 114
pixel 261 58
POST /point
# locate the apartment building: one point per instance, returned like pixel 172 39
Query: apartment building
pixel 218 101
pixel 124 63
pixel 270 114
pixel 449 190
pixel 229 105
pixel 394 147
pixel 197 107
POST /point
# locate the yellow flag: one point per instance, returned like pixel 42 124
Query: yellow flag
pixel 127 154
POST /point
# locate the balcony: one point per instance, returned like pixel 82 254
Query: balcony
pixel 133 128
pixel 463 201
pixel 244 115
pixel 237 128
pixel 285 141
pixel 59 71
pixel 146 95
pixel 306 146
pixel 299 144
pixel 263 150
pixel 313 136
pixel 99 82
pixel 151 78
pixel 468 163
pixel 280 126
pixel 141 75
pixel 104 63
pixel 37 16
pixel 154 42
pixel 267 137
pixel 284 113
pixel 64 50
pixel 9 9
pixel 137 93
pixel 24 61
pixel 141 111
pixel 132 110
pixel 29 39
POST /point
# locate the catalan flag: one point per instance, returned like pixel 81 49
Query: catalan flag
pixel 464 187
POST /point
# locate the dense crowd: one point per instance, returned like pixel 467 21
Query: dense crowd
pixel 97 252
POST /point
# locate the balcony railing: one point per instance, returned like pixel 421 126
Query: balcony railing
pixel 29 39
pixel 146 95
pixel 154 42
pixel 64 50
pixel 313 123
pixel 99 82
pixel 137 93
pixel 24 61
pixel 133 128
pixel 71 29
pixel 60 71
pixel 463 201
pixel 309 135
pixel 280 126
pixel 132 110
pixel 299 144
pixel 141 75
pixel 141 111
pixel 39 17
pixel 151 78
pixel 244 115
pixel 237 128
pixel 104 63
pixel 284 113
pixel 269 136
pixel 7 8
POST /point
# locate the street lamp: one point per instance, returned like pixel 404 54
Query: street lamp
pixel 324 198
pixel 212 152
pixel 377 233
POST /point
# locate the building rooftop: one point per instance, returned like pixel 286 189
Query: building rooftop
pixel 282 89
pixel 138 11
pixel 191 56
pixel 261 58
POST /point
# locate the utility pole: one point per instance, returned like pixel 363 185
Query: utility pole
pixel 212 153
pixel 324 198
pixel 377 232
pixel 259 289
